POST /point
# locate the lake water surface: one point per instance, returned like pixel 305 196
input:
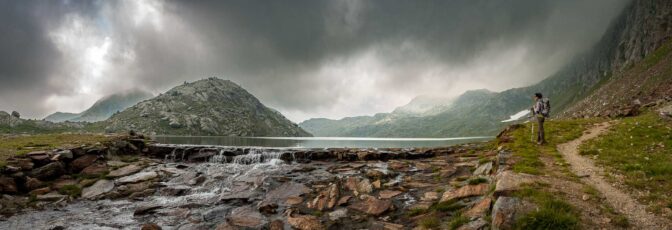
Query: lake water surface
pixel 318 142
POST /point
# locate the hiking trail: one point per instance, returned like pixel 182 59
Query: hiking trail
pixel 584 167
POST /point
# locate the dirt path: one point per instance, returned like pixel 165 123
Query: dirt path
pixel 584 167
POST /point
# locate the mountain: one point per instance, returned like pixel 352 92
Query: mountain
pixel 103 108
pixel 206 107
pixel 629 64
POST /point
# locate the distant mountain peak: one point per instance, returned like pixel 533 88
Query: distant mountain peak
pixel 103 108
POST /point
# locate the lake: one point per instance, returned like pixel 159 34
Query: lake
pixel 318 142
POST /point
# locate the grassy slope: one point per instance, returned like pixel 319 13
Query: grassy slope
pixel 638 151
pixel 13 145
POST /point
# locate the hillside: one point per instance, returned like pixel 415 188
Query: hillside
pixel 206 107
pixel 103 108
pixel 614 63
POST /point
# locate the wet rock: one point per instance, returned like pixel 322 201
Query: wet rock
pixel 375 174
pixel 483 169
pixel 387 194
pixel 268 208
pixel 326 199
pixel 50 171
pixel 144 210
pixel 480 209
pixel 372 206
pixel 125 171
pixel 177 190
pixel 83 162
pixel 99 188
pixel 116 164
pixel 415 184
pixel 197 180
pixel 338 214
pixel 364 186
pixel 7 185
pixel 53 196
pixel 509 182
pixel 239 190
pixel 246 216
pixel 95 169
pixel 283 193
pixel 304 222
pixel 150 226
pixel 466 191
pixel 40 191
pixel 138 177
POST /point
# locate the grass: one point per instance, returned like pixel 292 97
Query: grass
pixel 71 190
pixel 475 181
pixel 457 221
pixel 429 222
pixel 552 212
pixel 13 145
pixel 528 153
pixel 448 206
pixel 640 149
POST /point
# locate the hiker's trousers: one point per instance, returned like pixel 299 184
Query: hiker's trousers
pixel 540 135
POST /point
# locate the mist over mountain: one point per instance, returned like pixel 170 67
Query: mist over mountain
pixel 103 108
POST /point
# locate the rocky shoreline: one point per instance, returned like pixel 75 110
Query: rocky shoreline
pixel 132 182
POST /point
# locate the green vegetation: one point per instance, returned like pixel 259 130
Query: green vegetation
pixel 448 206
pixel 457 221
pixel 475 181
pixel 527 151
pixel 13 145
pixel 551 214
pixel 429 222
pixel 71 190
pixel 640 149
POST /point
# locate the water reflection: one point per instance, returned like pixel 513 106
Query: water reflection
pixel 318 142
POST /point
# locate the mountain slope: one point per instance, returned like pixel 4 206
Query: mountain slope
pixel 206 107
pixel 642 28
pixel 103 108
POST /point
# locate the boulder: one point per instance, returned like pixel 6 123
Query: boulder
pixel 372 206
pixel 387 194
pixel 507 210
pixel 39 157
pixel 83 162
pixel 40 191
pixel 7 185
pixel 22 163
pixel 96 169
pixel 125 171
pixel 34 183
pixel 247 216
pixel 62 182
pixel 305 222
pixel 138 177
pixel 50 171
pixel 509 181
pixel 465 191
pixel 483 169
pixel 479 209
pixel 150 226
pixel 338 214
pixel 99 188
pixel 478 224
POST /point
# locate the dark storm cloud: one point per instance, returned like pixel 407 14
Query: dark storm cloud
pixel 313 58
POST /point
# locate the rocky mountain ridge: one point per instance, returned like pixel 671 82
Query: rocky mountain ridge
pixel 206 107
pixel 104 108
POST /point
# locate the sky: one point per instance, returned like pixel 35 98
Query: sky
pixel 305 58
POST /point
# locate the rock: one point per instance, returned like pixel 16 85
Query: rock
pixel 87 182
pixel 16 114
pixel 50 171
pixel 509 182
pixel 65 154
pixel 483 169
pixel 138 177
pixel 21 163
pixel 276 225
pixel 304 222
pixel 343 200
pixel 364 186
pixel 54 196
pixel 40 191
pixel 99 188
pixel 144 210
pixel 478 224
pixel 375 174
pixel 246 216
pixel 293 200
pixel 585 197
pixel 372 206
pixel 150 226
pixel 268 209
pixel 429 196
pixel 62 182
pixel 379 225
pixel 283 193
pixel 83 162
pixel 39 157
pixel 33 183
pixel 116 164
pixel 465 191
pixel 125 171
pixel 507 210
pixel 387 194
pixel 96 169
pixel 377 184
pixel 338 214
pixel 480 209
pixel 174 190
pixel 7 185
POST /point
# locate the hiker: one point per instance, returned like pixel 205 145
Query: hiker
pixel 541 110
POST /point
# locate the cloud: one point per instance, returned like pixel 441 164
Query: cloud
pixel 307 59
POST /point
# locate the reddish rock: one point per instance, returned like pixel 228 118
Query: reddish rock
pixel 305 222
pixel 150 226
pixel 293 200
pixel 466 191
pixel 21 163
pixel 509 182
pixel 40 191
pixel 33 183
pixel 379 225
pixel 372 206
pixel 387 194
pixel 276 225
pixel 507 210
pixel 343 200
pixel 95 169
pixel 60 183
pixel 83 162
pixel 479 209
pixel 246 216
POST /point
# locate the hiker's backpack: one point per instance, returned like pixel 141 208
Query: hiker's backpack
pixel 545 107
